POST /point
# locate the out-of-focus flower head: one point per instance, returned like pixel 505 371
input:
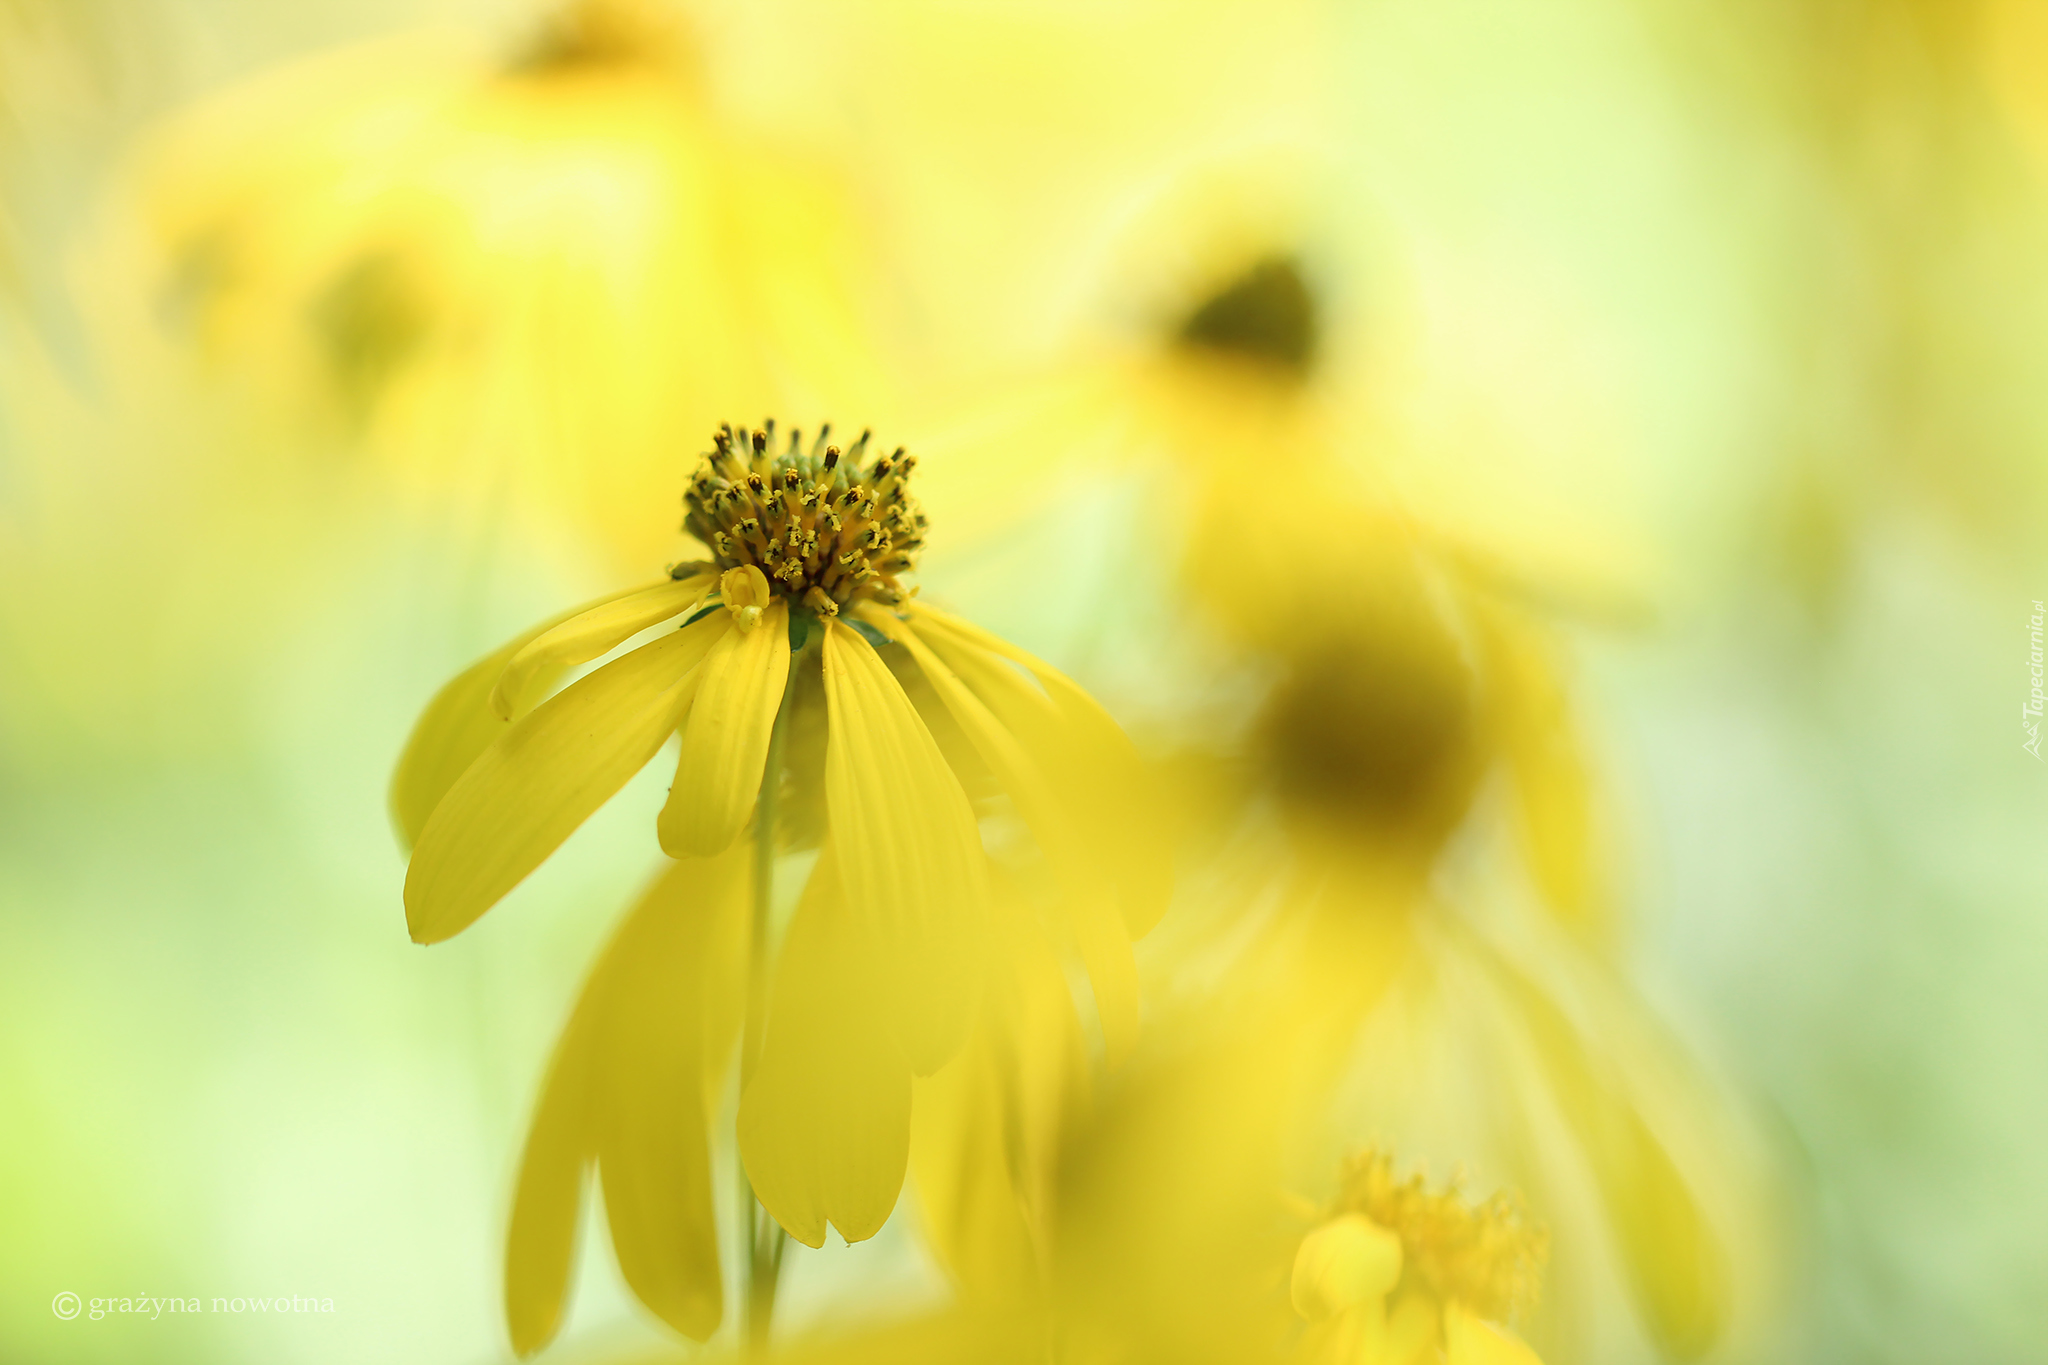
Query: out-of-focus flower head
pixel 820 706
pixel 1413 719
pixel 1397 1273
pixel 1167 1235
pixel 523 282
pixel 1413 875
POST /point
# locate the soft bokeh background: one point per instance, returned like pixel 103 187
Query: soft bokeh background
pixel 1724 321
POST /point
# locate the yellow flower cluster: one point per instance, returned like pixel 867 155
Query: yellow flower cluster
pixel 1318 855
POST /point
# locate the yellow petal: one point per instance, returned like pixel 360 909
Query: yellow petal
pixel 985 1130
pixel 653 1159
pixel 1084 881
pixel 1347 1261
pixel 723 990
pixel 725 741
pixel 625 1087
pixel 531 789
pixel 589 634
pixel 1469 1340
pixel 1413 1332
pixel 1676 1263
pixel 910 852
pixel 969 1206
pixel 1531 714
pixel 824 1126
pixel 1090 759
pixel 540 1247
pixel 457 725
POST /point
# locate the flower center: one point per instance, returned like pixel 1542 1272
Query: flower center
pixel 825 527
pixel 1267 314
pixel 1488 1257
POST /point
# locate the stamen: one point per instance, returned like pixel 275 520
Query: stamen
pixel 820 527
pixel 1488 1257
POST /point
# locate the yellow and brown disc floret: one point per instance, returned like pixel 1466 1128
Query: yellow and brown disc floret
pixel 825 527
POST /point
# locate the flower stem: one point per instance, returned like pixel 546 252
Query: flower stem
pixel 761 1265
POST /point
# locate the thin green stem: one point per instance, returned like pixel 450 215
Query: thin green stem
pixel 761 1264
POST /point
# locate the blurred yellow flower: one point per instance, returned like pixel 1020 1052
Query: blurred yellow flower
pixel 1408 696
pixel 1413 884
pixel 1398 1274
pixel 519 284
pixel 1165 1236
pixel 798 624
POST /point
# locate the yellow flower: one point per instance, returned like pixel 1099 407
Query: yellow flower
pixel 515 280
pixel 1413 887
pixel 1416 722
pixel 810 691
pixel 1397 1274
pixel 1164 1237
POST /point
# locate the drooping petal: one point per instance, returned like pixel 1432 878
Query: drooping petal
pixel 722 994
pixel 910 852
pixel 969 1206
pixel 1531 718
pixel 1084 881
pixel 457 725
pixel 1470 1340
pixel 589 634
pixel 540 1247
pixel 626 1088
pixel 1676 1263
pixel 531 789
pixel 725 740
pixel 824 1125
pixel 651 1138
pixel 1348 1261
pixel 985 1128
pixel 1087 755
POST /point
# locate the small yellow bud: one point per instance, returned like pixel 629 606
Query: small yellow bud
pixel 1345 1262
pixel 745 590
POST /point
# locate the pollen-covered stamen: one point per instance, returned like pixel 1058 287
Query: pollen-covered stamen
pixel 821 524
pixel 1488 1257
